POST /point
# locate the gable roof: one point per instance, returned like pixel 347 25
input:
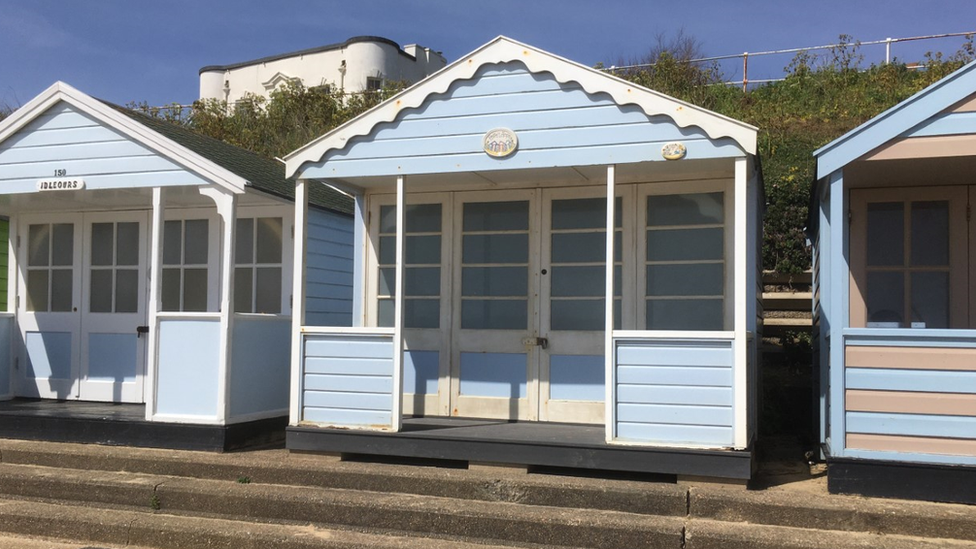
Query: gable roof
pixel 503 50
pixel 227 166
pixel 897 120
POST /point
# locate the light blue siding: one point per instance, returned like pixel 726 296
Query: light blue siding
pixel 187 372
pixel 928 381
pixel 674 392
pixel 911 425
pixel 6 335
pixel 420 372
pixel 577 377
pixel 329 269
pixel 48 355
pixel 558 124
pixel 112 356
pixel 953 123
pixel 259 367
pixel 347 380
pixel 64 138
pixel 493 374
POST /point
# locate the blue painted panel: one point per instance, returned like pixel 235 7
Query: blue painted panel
pixel 350 383
pixel 954 123
pixel 903 337
pixel 329 276
pixel 112 357
pixel 672 394
pixel 911 425
pixel 6 335
pixel 911 457
pixel 346 365
pixel 260 367
pixel 48 355
pixel 103 149
pixel 675 434
pixel 525 100
pixel 674 414
pixel 421 370
pixel 701 354
pixel 493 374
pixel 328 263
pixel 685 375
pixel 350 401
pixel 934 381
pixel 348 418
pixel 188 375
pixel 339 347
pixel 172 178
pixel 577 377
pixel 328 292
pixel 504 79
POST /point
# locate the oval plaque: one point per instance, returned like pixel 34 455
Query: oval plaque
pixel 500 142
pixel 674 151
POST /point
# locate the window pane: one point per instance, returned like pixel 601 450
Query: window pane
pixel 578 314
pixel 930 299
pixel 197 237
pixel 101 291
pixel 494 315
pixel 421 313
pixel 387 251
pixel 39 240
pixel 422 281
pixel 384 313
pixel 63 244
pixel 685 244
pixel 677 280
pixel 496 216
pixel 62 286
pixel 268 247
pixel 582 213
pixel 268 298
pixel 420 249
pixel 684 314
pixel 195 290
pixel 580 247
pixel 422 218
pixel 244 251
pixel 579 281
pixel 387 282
pixel 886 233
pixel 685 209
pixel 171 289
pixel 172 242
pixel 930 233
pixel 127 250
pixel 388 219
pixel 494 281
pixel 243 288
pixel 126 291
pixel 103 243
pixel 496 248
pixel 37 288
pixel 886 299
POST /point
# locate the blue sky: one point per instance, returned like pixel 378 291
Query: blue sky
pixel 139 50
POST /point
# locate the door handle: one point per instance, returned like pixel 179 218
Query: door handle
pixel 141 330
pixel 539 341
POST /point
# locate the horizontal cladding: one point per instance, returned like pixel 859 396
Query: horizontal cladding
pixel 674 392
pixel 911 402
pixel 348 380
pixel 66 139
pixel 911 358
pixel 954 123
pixel 929 381
pixel 911 425
pixel 329 281
pixel 912 445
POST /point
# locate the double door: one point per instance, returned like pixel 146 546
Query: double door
pixel 81 306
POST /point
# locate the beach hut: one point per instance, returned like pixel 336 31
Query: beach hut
pixel 150 279
pixel 894 300
pixel 504 310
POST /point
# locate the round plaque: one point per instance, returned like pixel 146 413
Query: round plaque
pixel 674 151
pixel 500 142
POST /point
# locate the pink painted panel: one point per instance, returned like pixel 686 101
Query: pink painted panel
pixel 911 358
pixel 898 402
pixel 919 445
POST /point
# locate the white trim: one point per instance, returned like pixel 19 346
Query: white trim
pixel 610 382
pixel 155 276
pixel 401 208
pixel 672 334
pixel 59 91
pixel 175 315
pixel 179 418
pixel 503 50
pixel 341 330
pixel 298 301
pixel 740 365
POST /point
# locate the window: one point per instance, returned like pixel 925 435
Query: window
pixel 185 265
pixel 374 84
pixel 685 262
pixel 258 265
pixel 114 273
pixel 422 268
pixel 909 258
pixel 50 263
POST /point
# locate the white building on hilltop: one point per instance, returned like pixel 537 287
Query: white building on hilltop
pixel 360 63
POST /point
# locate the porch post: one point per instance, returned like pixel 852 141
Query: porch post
pixel 611 393
pixel 227 209
pixel 397 412
pixel 740 309
pixel 298 301
pixel 839 315
pixel 155 285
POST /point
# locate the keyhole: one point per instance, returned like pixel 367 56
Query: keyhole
pixel 545 271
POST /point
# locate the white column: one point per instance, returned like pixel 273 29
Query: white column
pixel 740 309
pixel 155 284
pixel 839 316
pixel 227 209
pixel 298 300
pixel 12 302
pixel 360 230
pixel 609 377
pixel 401 207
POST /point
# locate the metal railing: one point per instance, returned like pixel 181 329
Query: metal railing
pixel 888 42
